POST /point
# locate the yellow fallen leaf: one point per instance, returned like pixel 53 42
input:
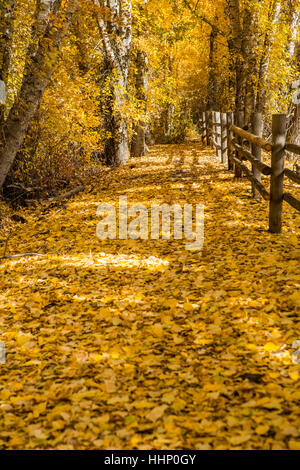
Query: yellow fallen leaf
pixel 39 409
pixel 170 425
pixel 38 434
pixel 171 303
pixel 22 339
pixel 5 394
pixel 156 413
pixel 294 445
pixel 274 375
pixel 238 440
pixel 262 429
pixel 178 404
pixel 295 297
pixel 169 397
pixel 232 421
pixel 142 404
pixel 178 339
pixel 188 307
pixel 212 387
pixel 157 330
pixel 110 386
pixel 271 347
pixel 296 395
pixel 272 404
pixel 97 357
pixel 294 375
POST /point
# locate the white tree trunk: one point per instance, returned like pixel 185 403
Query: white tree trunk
pixel 138 145
pixel 116 33
pixel 6 34
pixel 37 77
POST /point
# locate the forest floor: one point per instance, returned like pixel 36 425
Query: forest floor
pixel 120 344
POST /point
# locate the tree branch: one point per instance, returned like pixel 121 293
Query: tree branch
pixel 203 18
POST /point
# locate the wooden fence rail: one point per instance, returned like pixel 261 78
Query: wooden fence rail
pixel 234 145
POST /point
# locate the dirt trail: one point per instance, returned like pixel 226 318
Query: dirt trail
pixel 142 344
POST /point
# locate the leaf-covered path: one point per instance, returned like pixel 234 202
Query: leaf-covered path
pixel 143 344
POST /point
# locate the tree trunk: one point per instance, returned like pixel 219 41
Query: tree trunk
pixel 116 147
pixel 294 125
pixel 37 77
pixel 138 145
pixel 40 23
pixel 250 50
pixel 294 54
pixel 235 51
pixel 212 80
pixel 6 35
pixel 116 33
pixel 82 56
pixel 261 95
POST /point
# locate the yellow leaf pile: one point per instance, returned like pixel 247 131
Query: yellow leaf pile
pixel 142 344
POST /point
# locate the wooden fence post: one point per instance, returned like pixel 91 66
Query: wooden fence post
pixel 207 127
pixel 257 126
pixel 218 131
pixel 213 117
pixel 203 128
pixel 200 125
pixel 229 140
pixel 223 137
pixel 240 122
pixel 279 129
pixel 210 127
pixel 213 122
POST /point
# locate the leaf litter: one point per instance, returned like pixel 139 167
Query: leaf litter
pixel 140 344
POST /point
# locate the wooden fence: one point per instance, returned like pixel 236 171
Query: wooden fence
pixel 234 145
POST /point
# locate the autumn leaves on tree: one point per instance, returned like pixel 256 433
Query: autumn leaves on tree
pixel 137 68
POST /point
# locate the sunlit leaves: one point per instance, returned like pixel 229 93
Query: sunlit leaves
pixel 141 344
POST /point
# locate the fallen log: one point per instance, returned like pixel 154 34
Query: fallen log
pixel 67 195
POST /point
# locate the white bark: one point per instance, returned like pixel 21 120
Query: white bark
pixel 116 32
pixel 41 21
pixel 294 33
pixel 37 77
pixel 6 34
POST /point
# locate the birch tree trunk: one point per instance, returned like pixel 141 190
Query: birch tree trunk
pixel 138 146
pixel 40 23
pixel 6 34
pixel 294 55
pixel 261 95
pixel 294 125
pixel 37 77
pixel 115 26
